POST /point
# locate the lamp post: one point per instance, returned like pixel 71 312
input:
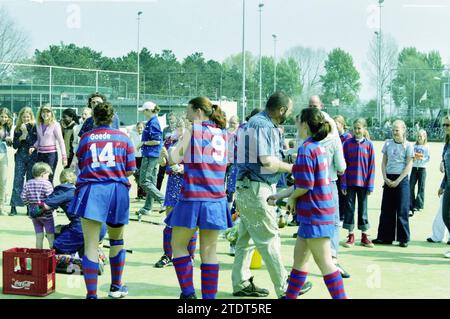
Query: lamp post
pixel 260 6
pixel 244 101
pixel 274 36
pixel 138 64
pixel 380 90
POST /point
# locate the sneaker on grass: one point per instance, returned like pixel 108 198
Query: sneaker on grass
pixel 251 291
pixel 164 261
pixel 366 242
pixel 118 292
pixel 350 241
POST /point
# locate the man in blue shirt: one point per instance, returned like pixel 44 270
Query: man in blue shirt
pixel 150 146
pixel 260 164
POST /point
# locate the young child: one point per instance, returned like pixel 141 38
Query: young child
pixel 69 240
pixel 358 181
pixel 419 172
pixel 34 193
pixel 173 192
pixel 312 199
pixel 49 134
pixel 398 156
pixel 344 135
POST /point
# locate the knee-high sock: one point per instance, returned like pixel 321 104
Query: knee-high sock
pixel 117 263
pixel 335 285
pixel 184 270
pixel 90 273
pixel 167 238
pixel 210 280
pixel 193 245
pixel 296 281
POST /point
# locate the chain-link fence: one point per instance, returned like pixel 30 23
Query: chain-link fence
pixel 33 85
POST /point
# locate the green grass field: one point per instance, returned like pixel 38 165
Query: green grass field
pixel 388 272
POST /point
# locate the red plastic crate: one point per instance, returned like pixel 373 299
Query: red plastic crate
pixel 29 271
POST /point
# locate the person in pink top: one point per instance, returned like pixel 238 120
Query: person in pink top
pixel 49 133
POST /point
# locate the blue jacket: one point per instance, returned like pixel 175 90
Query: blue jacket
pixel 152 132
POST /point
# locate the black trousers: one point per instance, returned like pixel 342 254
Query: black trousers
pixel 159 180
pixel 418 176
pixel 342 201
pixel 363 220
pixel 51 159
pixel 395 212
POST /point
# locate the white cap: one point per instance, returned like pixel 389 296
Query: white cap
pixel 147 106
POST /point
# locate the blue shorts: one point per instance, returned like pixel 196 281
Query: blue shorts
pixel 106 202
pixel 202 214
pixel 308 231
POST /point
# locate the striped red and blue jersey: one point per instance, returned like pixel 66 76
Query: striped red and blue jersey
pixel 205 163
pixel 360 159
pixel 345 137
pixel 169 142
pixel 310 171
pixel 105 155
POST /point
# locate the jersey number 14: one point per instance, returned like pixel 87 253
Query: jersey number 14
pixel 106 155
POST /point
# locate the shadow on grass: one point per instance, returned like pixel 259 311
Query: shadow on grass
pixel 143 289
pixel 17 232
pixel 147 250
pixel 401 257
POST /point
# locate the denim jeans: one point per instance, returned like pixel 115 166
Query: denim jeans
pixel 335 239
pixel 394 217
pixel 418 176
pixel 147 179
pixel 354 192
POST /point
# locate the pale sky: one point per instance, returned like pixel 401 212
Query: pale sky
pixel 214 27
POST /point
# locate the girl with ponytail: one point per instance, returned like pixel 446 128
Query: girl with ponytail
pixel 203 202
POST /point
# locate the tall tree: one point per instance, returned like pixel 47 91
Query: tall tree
pixel 14 42
pixel 418 81
pixel 310 62
pixel 341 80
pixel 389 56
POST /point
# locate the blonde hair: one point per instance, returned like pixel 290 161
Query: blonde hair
pixel 24 110
pixel 9 122
pixel 402 123
pixel 362 121
pixel 341 120
pixel 39 117
pixel 41 168
pixel 422 131
pixel 67 176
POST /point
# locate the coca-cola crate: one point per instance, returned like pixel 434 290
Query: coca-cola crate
pixel 28 271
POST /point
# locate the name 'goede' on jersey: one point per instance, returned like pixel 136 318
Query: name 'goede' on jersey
pixel 96 137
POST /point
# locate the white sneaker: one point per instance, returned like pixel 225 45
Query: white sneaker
pixel 143 211
pixel 117 293
pixel 447 254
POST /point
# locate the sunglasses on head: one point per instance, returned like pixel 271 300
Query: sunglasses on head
pixel 445 125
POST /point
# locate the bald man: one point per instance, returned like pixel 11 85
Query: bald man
pixel 314 101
